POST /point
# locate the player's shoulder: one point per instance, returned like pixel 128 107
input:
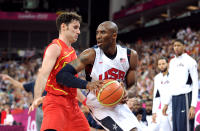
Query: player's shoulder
pixel 134 52
pixel 89 51
pixel 156 77
pixel 189 59
pixel 53 48
pixel 172 59
pixel 127 48
pixel 88 55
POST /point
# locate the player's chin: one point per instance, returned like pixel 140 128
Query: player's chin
pixel 74 40
pixel 100 46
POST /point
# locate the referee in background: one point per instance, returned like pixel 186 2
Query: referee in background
pixel 183 78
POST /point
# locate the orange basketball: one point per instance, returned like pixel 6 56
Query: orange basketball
pixel 111 93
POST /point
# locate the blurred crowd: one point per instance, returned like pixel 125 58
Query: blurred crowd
pixel 140 96
pixel 23 71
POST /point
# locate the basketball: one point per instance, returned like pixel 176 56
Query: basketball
pixel 111 93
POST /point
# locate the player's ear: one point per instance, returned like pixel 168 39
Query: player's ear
pixel 63 26
pixel 114 35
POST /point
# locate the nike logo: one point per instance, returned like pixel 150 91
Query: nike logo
pixel 183 111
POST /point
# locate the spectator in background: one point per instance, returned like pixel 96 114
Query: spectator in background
pixel 28 87
pixel 183 77
pixel 138 110
pixel 9 117
pixel 148 108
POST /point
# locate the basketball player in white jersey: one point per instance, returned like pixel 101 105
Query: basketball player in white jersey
pixel 107 61
pixel 161 89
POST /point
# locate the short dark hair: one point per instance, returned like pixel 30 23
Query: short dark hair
pixel 67 17
pixel 180 41
pixel 163 58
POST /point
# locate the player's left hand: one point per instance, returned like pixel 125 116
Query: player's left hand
pixel 35 104
pixel 95 85
pixel 5 77
pixel 192 112
pixel 125 96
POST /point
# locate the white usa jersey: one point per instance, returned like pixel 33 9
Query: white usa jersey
pixel 106 68
pixel 119 117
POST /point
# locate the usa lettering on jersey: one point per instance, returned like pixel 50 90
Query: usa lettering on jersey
pixel 113 73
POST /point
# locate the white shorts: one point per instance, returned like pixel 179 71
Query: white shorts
pixel 163 123
pixel 117 118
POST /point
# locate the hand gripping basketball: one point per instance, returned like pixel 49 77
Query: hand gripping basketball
pixel 111 93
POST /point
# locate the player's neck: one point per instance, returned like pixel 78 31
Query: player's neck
pixel 165 73
pixel 66 41
pixel 112 50
pixel 178 55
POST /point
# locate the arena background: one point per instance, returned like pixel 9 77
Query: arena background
pixel 147 26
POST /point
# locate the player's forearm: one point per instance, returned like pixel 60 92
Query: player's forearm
pixel 80 96
pixel 156 103
pixel 66 77
pixel 40 85
pixel 16 84
pixel 194 89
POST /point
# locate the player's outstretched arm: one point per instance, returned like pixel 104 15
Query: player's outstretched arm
pixel 66 75
pixel 131 75
pixel 14 82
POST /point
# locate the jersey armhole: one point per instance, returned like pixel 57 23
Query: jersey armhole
pixel 128 54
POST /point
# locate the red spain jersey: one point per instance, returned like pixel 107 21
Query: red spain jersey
pixel 67 55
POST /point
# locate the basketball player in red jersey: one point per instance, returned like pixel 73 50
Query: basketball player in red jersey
pixel 108 61
pixel 60 107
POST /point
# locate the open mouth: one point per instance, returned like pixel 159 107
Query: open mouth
pixel 99 43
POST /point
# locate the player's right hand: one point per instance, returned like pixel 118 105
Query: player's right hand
pixel 35 104
pixel 154 118
pixel 96 85
pixel 164 111
pixel 125 96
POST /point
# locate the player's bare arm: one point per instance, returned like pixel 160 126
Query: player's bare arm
pixel 14 82
pixel 131 74
pixel 51 55
pixel 66 75
pixel 85 58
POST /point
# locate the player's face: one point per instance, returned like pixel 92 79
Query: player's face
pixel 104 37
pixel 148 107
pixel 72 30
pixel 136 106
pixel 178 48
pixel 162 65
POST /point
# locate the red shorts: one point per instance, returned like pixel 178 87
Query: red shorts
pixel 62 113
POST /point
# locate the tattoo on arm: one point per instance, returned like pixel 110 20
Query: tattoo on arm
pixel 85 58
